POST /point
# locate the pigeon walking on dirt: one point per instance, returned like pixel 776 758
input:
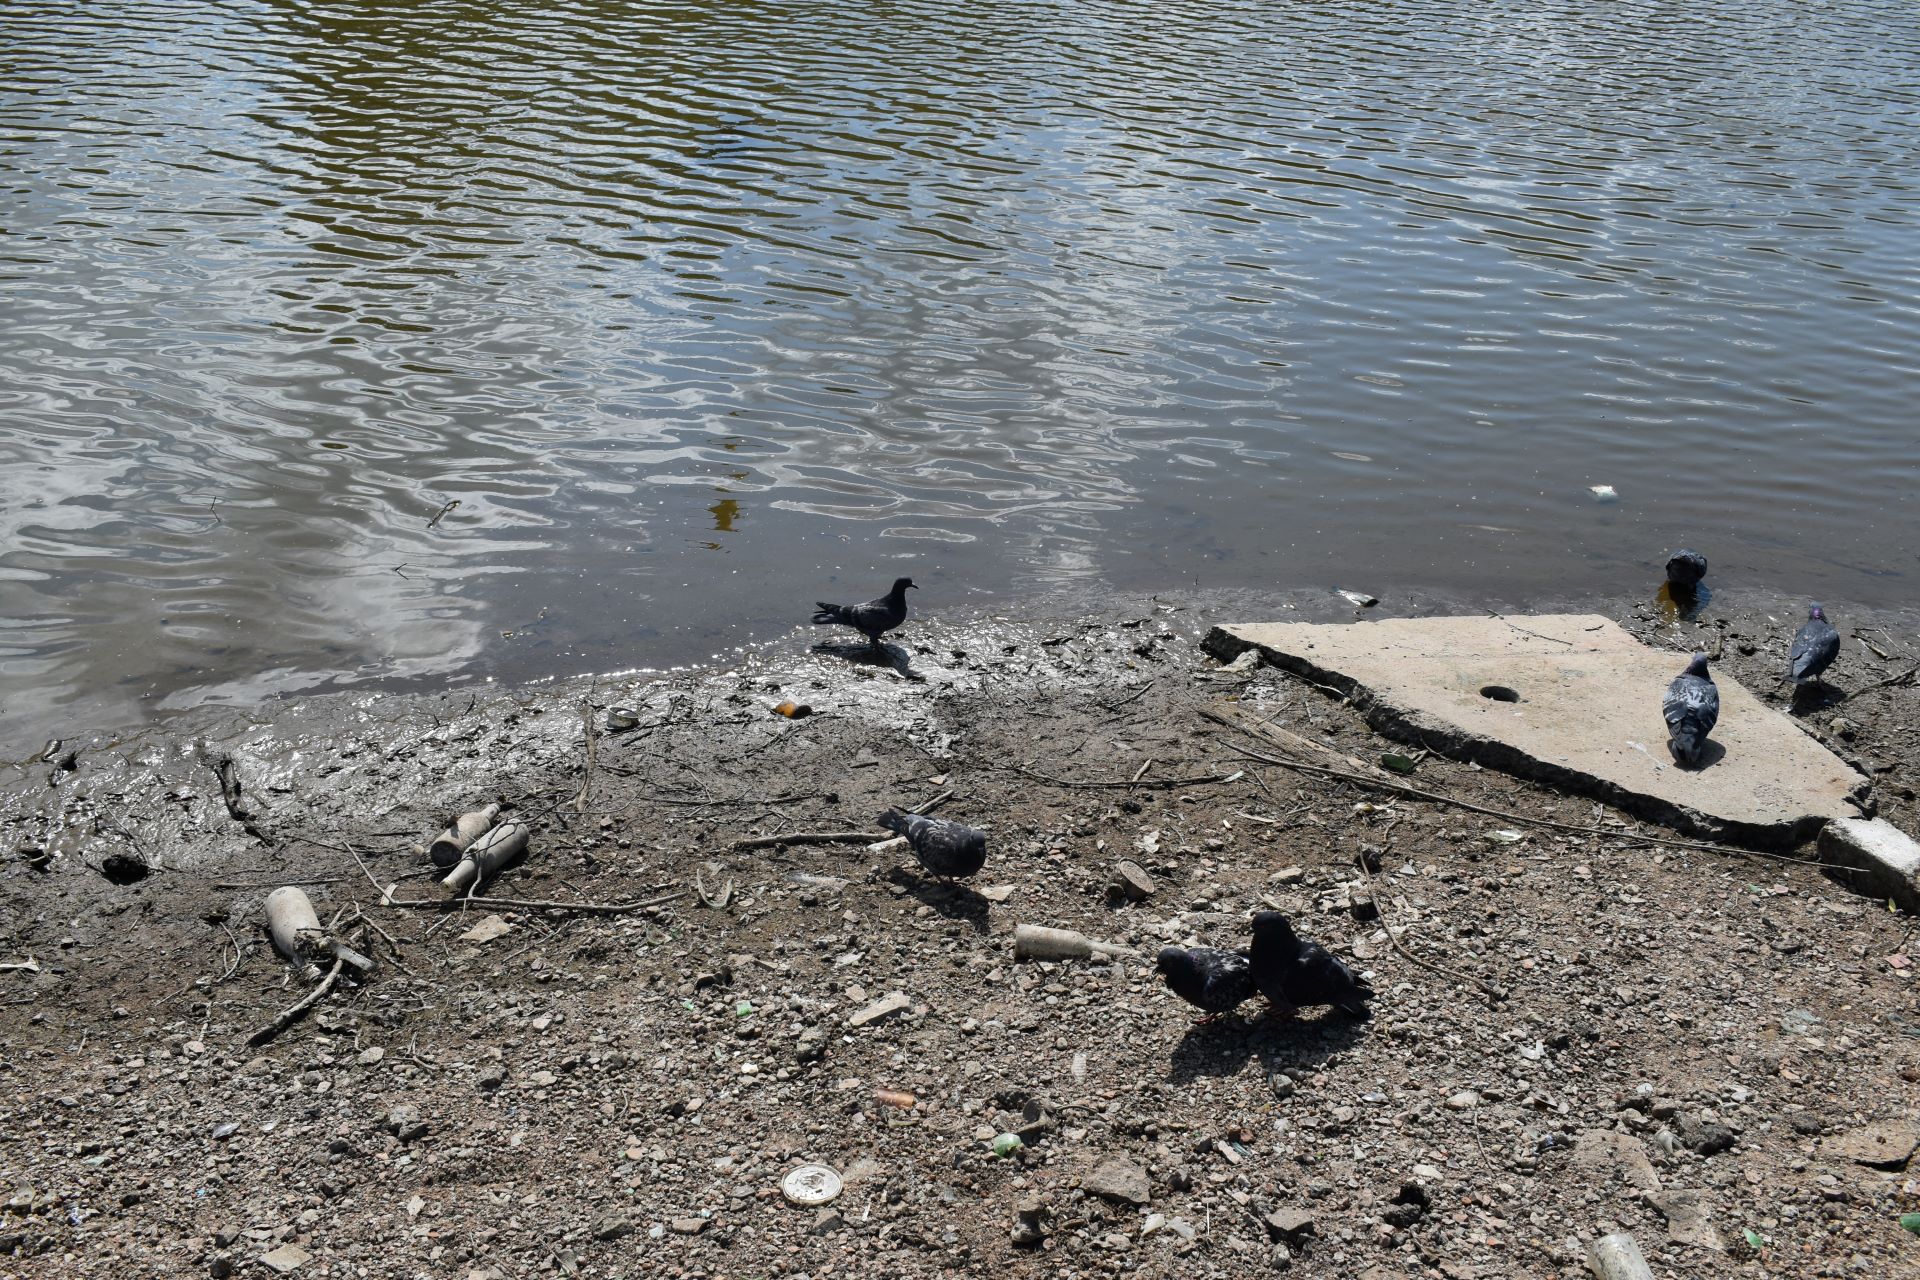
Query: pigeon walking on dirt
pixel 1692 708
pixel 945 848
pixel 1296 974
pixel 1815 647
pixel 1685 569
pixel 874 618
pixel 1215 982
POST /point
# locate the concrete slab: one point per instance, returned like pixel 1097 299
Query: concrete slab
pixel 1574 701
pixel 1875 857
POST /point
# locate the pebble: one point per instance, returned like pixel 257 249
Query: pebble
pixel 1118 1179
pixel 884 1007
pixel 688 1226
pixel 1465 1100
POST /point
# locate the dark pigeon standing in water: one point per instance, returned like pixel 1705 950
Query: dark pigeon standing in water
pixel 1692 708
pixel 1214 982
pixel 1685 569
pixel 1296 974
pixel 874 618
pixel 945 848
pixel 1815 647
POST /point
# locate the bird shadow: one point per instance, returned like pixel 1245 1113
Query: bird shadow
pixel 1813 696
pixel 1682 602
pixel 1711 754
pixel 891 657
pixel 1224 1048
pixel 952 900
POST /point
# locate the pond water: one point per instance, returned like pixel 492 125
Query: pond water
pixel 703 311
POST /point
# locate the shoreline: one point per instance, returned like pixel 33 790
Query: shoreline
pixel 620 1095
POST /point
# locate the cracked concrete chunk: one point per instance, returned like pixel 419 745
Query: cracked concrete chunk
pixel 1687 1221
pixel 881 1008
pixel 1118 1179
pixel 288 1257
pixel 1609 1154
pixel 1571 700
pixel 1882 859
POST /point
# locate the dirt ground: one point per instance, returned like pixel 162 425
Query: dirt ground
pixel 1575 1034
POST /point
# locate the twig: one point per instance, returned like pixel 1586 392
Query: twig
pixel 1141 772
pixel 234 967
pixel 528 904
pixel 1486 988
pixel 1115 706
pixel 369 875
pixel 934 803
pixel 29 965
pixel 264 884
pixel 586 766
pixel 1399 788
pixel 1163 784
pixel 442 512
pixel 1535 634
pixel 287 1016
pixel 1905 677
pixel 810 837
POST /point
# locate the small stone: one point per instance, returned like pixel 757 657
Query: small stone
pixel 1289 1224
pixel 1705 1137
pixel 611 1226
pixel 288 1257
pixel 1465 1100
pixel 1154 1222
pixel 688 1226
pixel 826 1222
pixel 371 1055
pixel 1615 1155
pixel 492 1076
pixel 1132 880
pixel 1119 1179
pixel 404 1123
pixel 885 1006
pixel 219 1266
pixel 1182 1228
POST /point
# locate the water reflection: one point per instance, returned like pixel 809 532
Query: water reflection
pixel 1306 293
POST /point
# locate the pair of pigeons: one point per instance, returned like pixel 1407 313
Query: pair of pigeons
pixel 1291 972
pixel 1692 704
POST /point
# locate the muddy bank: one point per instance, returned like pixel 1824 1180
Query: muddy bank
pixel 1575 1033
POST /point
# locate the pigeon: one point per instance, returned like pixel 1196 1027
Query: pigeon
pixel 1296 974
pixel 1214 982
pixel 874 618
pixel 1814 648
pixel 944 848
pixel 1685 569
pixel 1692 707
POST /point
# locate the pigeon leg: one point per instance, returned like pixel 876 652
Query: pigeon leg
pixel 1282 1012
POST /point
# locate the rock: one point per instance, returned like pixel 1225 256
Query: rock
pixel 1603 1152
pixel 219 1266
pixel 1704 1137
pixel 492 1076
pixel 1465 1100
pixel 1281 1258
pixel 1686 1214
pixel 1884 1144
pixel 687 1226
pixel 1118 1179
pixel 827 1222
pixel 1289 1224
pixel 487 930
pixel 1409 1205
pixel 884 1007
pixel 1885 860
pixel 1363 907
pixel 404 1123
pixel 1182 1228
pixel 1029 1222
pixel 288 1257
pixel 1132 880
pixel 611 1226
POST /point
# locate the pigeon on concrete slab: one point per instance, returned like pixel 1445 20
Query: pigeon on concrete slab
pixel 1296 974
pixel 1215 982
pixel 1815 646
pixel 1691 708
pixel 945 848
pixel 874 618
pixel 1685 569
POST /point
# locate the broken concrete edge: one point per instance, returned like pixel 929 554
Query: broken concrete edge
pixel 1871 855
pixel 1449 741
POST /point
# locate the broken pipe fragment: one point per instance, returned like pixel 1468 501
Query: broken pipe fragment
pixel 487 855
pixel 449 845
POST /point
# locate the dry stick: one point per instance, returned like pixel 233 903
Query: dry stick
pixel 528 904
pixel 1141 772
pixel 287 1016
pixel 1381 784
pixel 1487 989
pixel 274 884
pixel 933 804
pixel 810 837
pixel 236 952
pixel 1905 677
pixel 586 768
pixel 1165 784
pixel 1115 706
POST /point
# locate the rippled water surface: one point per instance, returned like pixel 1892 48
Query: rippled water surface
pixel 701 311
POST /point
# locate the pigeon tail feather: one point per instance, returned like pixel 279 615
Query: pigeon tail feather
pixel 894 821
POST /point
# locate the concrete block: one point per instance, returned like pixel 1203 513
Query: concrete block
pixel 1875 857
pixel 1571 700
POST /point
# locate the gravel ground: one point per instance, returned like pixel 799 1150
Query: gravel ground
pixel 1575 1033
